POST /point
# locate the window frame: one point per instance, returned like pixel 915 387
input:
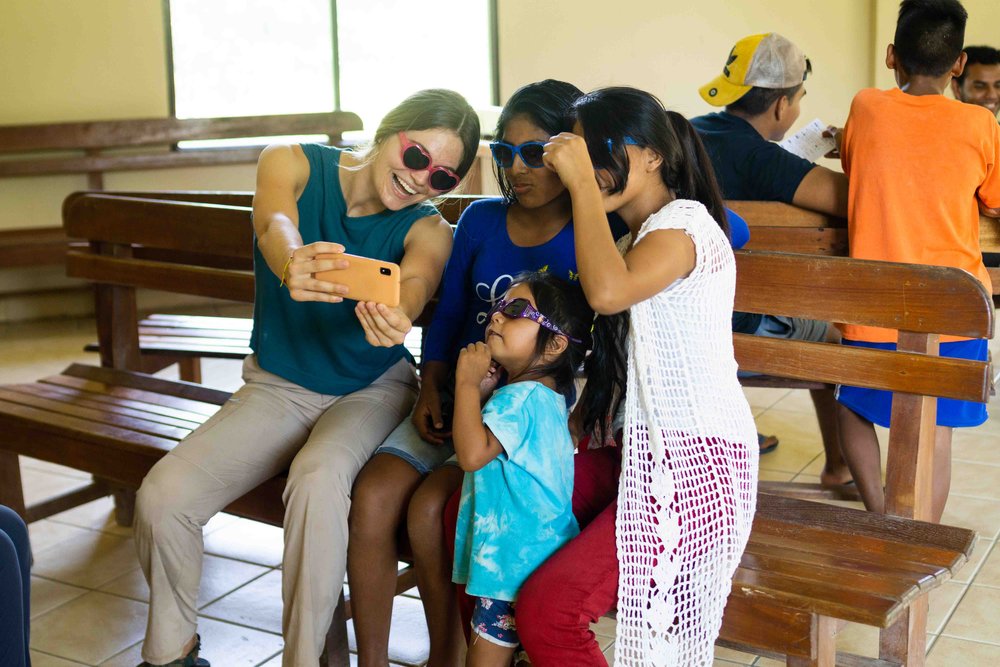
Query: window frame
pixel 494 56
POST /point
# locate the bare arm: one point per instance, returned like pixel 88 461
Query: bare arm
pixel 282 174
pixel 823 190
pixel 612 283
pixel 475 445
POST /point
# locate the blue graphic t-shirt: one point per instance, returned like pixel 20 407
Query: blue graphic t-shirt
pixel 482 266
pixel 517 510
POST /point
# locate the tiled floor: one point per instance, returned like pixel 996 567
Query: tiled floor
pixel 89 600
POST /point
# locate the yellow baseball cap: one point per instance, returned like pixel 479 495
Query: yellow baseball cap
pixel 765 61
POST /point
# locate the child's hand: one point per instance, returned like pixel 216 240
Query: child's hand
pixel 474 366
pixel 566 154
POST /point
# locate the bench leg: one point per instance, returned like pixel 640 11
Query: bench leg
pixel 189 369
pixel 11 491
pixel 824 641
pixel 905 641
pixel 124 506
pixel 337 653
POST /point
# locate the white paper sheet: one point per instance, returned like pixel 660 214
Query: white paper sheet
pixel 809 142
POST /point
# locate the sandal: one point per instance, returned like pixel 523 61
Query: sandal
pixel 767 443
pixel 190 660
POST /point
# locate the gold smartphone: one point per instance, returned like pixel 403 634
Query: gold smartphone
pixel 366 279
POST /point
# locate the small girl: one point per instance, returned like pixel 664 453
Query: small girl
pixel 667 548
pixel 516 503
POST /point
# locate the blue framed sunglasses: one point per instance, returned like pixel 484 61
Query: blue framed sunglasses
pixel 531 153
pixel 626 140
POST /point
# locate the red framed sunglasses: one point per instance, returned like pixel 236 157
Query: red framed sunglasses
pixel 416 158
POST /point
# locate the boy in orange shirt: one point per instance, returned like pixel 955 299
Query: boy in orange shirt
pixel 921 167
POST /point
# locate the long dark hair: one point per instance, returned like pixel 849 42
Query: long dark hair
pixel 614 114
pixel 547 105
pixel 565 305
pixel 434 108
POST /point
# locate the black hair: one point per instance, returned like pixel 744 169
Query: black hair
pixel 929 36
pixel 565 305
pixel 613 114
pixel 979 55
pixel 619 112
pixel 431 109
pixel 758 100
pixel 546 104
pixel 606 370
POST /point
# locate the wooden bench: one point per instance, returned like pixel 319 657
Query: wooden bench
pixel 94 149
pixel 808 567
pixel 805 571
pixel 786 228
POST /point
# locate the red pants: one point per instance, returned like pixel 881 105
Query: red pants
pixel 576 585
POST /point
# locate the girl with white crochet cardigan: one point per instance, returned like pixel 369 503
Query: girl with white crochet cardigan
pixel 665 548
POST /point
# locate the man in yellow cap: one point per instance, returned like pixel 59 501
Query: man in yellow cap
pixel 761 88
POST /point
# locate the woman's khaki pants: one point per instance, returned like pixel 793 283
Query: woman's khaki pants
pixel 267 426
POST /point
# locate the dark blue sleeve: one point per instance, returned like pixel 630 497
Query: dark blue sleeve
pixel 739 232
pixel 453 305
pixel 774 174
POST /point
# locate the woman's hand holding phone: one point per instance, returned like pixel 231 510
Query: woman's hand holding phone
pixel 299 273
pixel 384 326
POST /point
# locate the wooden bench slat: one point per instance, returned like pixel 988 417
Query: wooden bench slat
pixel 823 241
pixel 198 322
pixel 819 598
pixel 124 406
pixel 838 578
pixel 84 429
pixel 762 556
pixel 820 515
pixel 114 219
pixel 855 291
pixel 920 558
pixel 27 397
pixel 198 281
pixel 186 390
pixel 131 398
pixel 877 369
pixel 154 131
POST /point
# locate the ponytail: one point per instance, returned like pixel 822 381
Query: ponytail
pixel 695 174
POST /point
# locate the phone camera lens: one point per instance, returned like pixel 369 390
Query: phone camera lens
pixel 385 271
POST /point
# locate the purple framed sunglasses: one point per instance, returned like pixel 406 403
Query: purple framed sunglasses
pixel 521 308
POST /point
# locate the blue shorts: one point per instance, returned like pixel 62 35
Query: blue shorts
pixel 493 620
pixel 875 405
pixel 406 443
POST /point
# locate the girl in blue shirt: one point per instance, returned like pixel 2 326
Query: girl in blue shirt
pixel 517 453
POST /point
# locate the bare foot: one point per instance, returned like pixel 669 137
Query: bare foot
pixel 831 478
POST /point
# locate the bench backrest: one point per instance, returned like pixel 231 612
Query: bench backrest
pixel 22 144
pixel 205 249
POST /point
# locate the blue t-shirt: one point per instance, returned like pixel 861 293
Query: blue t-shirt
pixel 749 167
pixel 321 346
pixel 517 510
pixel 482 266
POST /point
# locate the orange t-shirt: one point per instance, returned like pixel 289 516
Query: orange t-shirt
pixel 917 165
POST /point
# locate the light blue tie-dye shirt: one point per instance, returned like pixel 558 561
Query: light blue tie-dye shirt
pixel 517 509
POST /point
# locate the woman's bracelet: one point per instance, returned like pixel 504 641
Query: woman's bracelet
pixel 284 271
